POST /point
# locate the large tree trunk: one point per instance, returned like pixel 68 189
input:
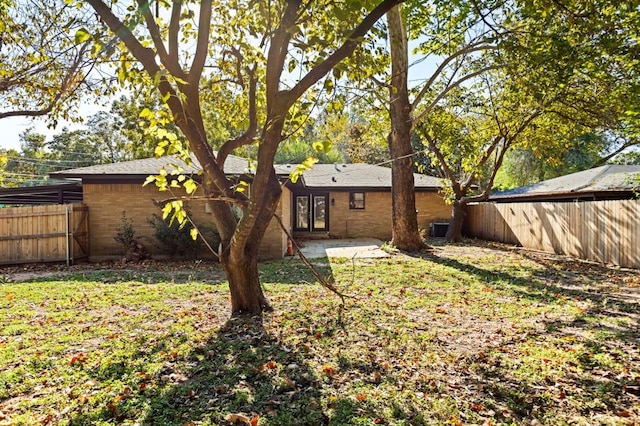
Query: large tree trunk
pixel 240 256
pixel 459 212
pixel 406 235
pixel 244 285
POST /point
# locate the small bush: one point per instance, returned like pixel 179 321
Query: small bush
pixel 177 241
pixel 125 234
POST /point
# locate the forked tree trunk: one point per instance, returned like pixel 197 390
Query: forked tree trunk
pixel 458 213
pixel 244 285
pixel 405 233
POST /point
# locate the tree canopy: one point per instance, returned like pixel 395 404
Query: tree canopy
pixel 42 67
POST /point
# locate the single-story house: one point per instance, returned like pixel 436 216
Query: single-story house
pixel 329 201
pixel 610 182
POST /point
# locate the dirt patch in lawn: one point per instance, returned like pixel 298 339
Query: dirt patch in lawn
pixel 179 271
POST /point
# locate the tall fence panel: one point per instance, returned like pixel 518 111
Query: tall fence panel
pixel 55 233
pixel 602 231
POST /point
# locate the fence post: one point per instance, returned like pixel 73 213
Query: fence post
pixel 68 249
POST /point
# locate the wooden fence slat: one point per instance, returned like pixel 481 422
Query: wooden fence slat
pixel 602 231
pixel 39 233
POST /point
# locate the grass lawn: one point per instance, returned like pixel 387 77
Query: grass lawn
pixel 469 334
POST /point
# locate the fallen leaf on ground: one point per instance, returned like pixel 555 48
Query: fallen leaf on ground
pixel 238 418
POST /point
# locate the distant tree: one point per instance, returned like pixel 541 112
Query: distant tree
pixel 358 138
pixel 74 148
pixel 30 166
pixel 632 157
pixel 125 117
pixel 295 150
pixel 526 165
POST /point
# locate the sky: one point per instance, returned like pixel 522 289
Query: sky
pixel 12 127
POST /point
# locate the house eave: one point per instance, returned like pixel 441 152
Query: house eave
pixel 565 196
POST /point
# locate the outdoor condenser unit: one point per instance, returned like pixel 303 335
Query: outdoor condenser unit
pixel 439 230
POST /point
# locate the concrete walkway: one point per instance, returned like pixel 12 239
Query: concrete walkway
pixel 359 248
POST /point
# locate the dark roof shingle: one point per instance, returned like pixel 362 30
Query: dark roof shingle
pixel 610 178
pixel 320 176
pixel 150 166
pixel 356 175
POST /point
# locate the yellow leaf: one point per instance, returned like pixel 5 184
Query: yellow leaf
pixel 148 180
pixel 166 210
pixel 190 186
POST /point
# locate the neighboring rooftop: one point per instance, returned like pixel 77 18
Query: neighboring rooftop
pixel 56 193
pixel 320 176
pixel 611 181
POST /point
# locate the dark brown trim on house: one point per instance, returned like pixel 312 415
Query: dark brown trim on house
pixel 566 196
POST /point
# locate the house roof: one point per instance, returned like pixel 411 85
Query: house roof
pixel 358 175
pixel 611 181
pixel 320 176
pixel 149 166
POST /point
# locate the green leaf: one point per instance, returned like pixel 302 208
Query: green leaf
pixel 82 35
pixel 194 233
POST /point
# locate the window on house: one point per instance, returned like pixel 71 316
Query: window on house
pixel 356 200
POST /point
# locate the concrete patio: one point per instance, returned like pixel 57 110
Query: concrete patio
pixel 359 248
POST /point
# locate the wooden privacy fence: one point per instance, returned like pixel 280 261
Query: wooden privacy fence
pixel 602 231
pixel 54 233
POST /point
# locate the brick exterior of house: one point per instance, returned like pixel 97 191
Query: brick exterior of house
pixel 107 202
pixel 111 189
pixel 375 219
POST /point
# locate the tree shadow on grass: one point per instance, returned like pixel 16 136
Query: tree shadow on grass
pixel 294 271
pixel 559 277
pixel 241 369
pixel 603 378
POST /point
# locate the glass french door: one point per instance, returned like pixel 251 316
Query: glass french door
pixel 311 212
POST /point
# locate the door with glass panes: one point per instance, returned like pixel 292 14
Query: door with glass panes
pixel 311 212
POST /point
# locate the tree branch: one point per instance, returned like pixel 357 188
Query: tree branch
pixel 278 49
pixel 471 48
pixel 449 88
pixel 321 280
pixel 248 136
pixel 347 48
pixel 174 29
pixel 154 32
pixel 202 45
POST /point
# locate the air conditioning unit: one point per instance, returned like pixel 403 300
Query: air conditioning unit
pixel 439 230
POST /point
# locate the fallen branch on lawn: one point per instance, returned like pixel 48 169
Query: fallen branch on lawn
pixel 323 281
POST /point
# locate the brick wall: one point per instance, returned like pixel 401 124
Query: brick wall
pixel 274 243
pixel 375 219
pixel 431 208
pixel 107 202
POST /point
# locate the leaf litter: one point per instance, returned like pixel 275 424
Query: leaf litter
pixel 467 334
